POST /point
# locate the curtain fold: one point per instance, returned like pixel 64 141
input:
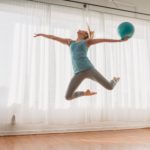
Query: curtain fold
pixel 35 72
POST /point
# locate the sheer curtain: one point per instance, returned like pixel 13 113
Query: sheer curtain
pixel 35 72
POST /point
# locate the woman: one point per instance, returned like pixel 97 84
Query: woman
pixel 82 66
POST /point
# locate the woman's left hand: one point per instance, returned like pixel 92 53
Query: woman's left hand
pixel 125 39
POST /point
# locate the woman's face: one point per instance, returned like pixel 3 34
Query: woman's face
pixel 82 34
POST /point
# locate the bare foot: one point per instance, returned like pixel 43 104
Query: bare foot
pixel 116 79
pixel 89 93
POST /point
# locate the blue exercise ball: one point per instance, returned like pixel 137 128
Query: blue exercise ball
pixel 125 30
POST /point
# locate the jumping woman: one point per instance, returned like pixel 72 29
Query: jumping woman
pixel 82 66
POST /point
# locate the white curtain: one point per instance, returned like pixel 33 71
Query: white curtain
pixel 35 72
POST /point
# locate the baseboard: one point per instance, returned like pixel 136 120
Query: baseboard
pixel 44 129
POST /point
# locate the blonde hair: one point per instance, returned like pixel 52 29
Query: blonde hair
pixel 90 33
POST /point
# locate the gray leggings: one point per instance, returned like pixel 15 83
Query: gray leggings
pixel 91 73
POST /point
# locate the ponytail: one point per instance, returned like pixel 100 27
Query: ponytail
pixel 90 33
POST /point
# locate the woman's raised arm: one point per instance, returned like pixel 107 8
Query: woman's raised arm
pixel 56 38
pixel 96 41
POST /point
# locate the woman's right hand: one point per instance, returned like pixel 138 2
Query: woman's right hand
pixel 36 35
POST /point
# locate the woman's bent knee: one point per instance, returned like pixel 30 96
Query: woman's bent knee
pixel 68 97
pixel 110 87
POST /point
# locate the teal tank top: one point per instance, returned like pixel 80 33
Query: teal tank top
pixel 79 57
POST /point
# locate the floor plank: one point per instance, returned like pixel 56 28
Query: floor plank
pixel 138 139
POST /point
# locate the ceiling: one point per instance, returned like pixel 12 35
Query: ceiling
pixel 142 6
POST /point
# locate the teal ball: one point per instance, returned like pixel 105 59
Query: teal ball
pixel 126 30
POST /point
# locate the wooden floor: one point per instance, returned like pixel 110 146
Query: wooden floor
pixel 106 140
